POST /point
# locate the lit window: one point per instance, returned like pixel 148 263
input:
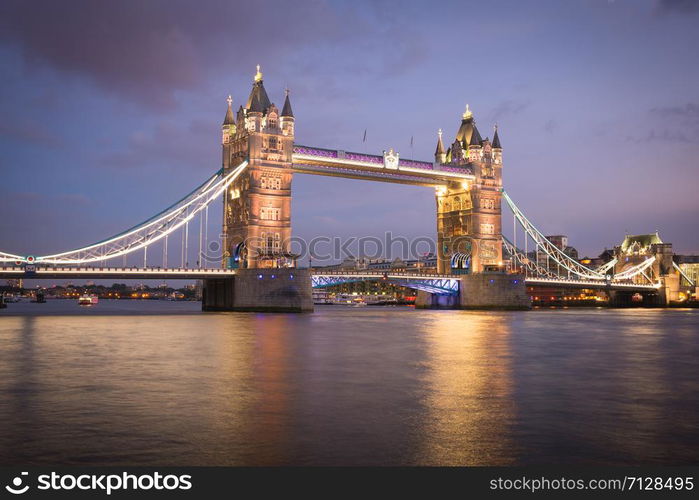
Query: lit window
pixel 487 229
pixel 269 182
pixel 488 203
pixel 269 213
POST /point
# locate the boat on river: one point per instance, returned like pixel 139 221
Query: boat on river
pixel 88 300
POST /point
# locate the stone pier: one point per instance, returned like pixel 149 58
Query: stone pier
pixel 494 290
pixel 486 290
pixel 427 300
pixel 260 290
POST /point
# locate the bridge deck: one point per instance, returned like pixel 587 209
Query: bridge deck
pixel 113 272
pixel 40 272
pixel 565 283
pixel 337 163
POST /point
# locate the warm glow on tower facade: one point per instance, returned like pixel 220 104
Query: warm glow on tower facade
pixel 257 208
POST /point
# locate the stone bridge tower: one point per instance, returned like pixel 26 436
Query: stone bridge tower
pixel 257 212
pixel 469 229
pixel 257 206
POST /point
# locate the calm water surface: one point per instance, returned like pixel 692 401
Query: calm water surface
pixel 160 383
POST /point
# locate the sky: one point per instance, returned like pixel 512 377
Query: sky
pixel 111 111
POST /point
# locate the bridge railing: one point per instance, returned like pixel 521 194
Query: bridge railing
pixel 116 270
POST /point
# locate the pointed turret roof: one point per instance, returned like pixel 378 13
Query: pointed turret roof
pixel 258 101
pixel 286 110
pixel 466 128
pixel 228 120
pixel 496 139
pixel 440 145
pixel 475 137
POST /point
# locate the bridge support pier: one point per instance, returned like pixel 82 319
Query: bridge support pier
pixel 494 290
pixel 622 298
pixel 427 300
pixel 260 290
pixel 481 291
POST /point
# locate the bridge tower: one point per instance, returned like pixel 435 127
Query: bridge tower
pixel 469 229
pixel 257 212
pixel 635 249
pixel 257 206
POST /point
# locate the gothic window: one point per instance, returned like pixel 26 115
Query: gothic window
pixel 488 203
pixel 269 182
pixel 271 123
pixel 272 143
pixel 487 228
pixel 269 213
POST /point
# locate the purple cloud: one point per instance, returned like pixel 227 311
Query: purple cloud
pixel 682 6
pixel 149 51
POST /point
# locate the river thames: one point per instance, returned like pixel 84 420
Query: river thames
pixel 160 383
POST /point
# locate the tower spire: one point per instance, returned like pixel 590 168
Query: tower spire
pixel 286 110
pixel 467 114
pixel 496 139
pixel 258 101
pixel 439 153
pixel 229 112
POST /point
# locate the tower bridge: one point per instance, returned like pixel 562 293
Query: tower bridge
pixel 476 265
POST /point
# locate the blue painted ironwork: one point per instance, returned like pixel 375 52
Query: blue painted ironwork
pixel 442 286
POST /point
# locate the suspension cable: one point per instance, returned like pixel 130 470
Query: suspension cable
pixel 155 228
pixel 560 257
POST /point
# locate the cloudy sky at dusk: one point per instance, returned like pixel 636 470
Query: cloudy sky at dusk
pixel 112 110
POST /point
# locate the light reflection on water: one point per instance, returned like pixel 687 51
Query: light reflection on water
pixel 160 383
pixel 468 382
